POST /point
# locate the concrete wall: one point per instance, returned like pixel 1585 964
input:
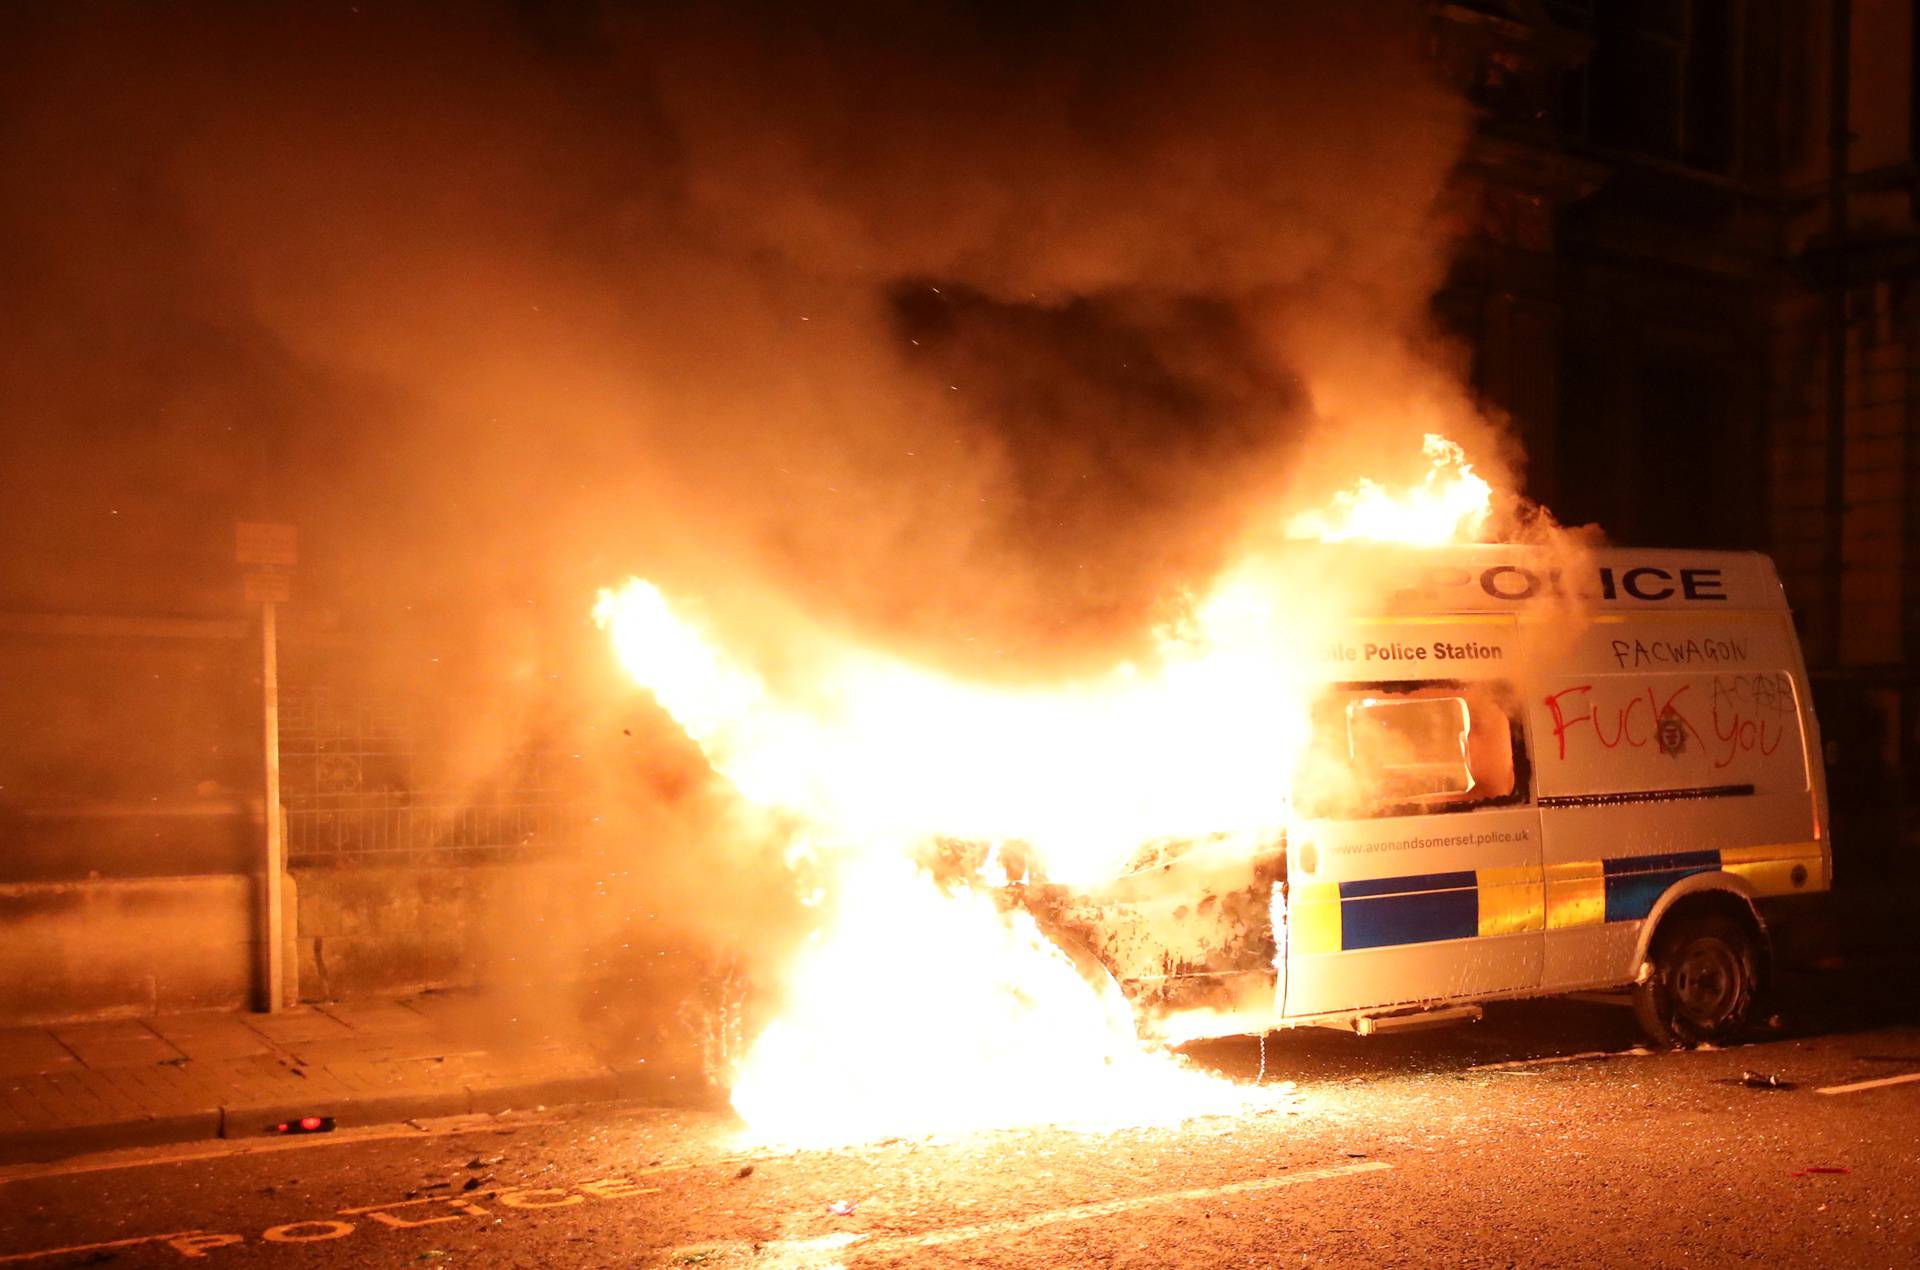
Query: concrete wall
pixel 371 929
pixel 118 947
pixel 108 947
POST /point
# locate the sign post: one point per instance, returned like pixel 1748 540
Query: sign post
pixel 268 549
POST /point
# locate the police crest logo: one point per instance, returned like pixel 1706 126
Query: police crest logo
pixel 1673 733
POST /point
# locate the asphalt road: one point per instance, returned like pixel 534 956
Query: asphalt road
pixel 1534 1138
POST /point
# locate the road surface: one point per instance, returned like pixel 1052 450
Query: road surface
pixel 1535 1138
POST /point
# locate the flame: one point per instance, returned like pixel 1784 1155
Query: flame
pixel 1450 504
pixel 880 752
pixel 922 1008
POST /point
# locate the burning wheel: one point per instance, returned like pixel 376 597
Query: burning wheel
pixel 1705 981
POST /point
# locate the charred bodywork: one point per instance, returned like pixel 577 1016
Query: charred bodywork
pixel 1188 932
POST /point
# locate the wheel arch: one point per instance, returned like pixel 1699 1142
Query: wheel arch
pixel 1701 893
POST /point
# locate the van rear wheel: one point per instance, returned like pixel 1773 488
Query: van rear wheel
pixel 1704 983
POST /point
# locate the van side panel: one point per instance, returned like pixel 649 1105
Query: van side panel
pixel 1669 746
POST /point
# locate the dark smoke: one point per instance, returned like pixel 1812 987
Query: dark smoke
pixel 980 329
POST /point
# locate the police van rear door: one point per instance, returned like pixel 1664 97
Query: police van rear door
pixel 1670 744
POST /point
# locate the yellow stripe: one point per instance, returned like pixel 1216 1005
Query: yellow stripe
pixel 1576 894
pixel 1768 867
pixel 1511 901
pixel 1313 918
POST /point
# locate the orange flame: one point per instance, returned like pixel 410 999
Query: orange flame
pixel 882 753
pixel 1450 504
pixel 926 1011
pixel 922 1009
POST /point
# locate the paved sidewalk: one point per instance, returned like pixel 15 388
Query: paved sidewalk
pixel 82 1087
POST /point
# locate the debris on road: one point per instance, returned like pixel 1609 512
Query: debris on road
pixel 746 1170
pixel 1764 1080
pixel 840 1207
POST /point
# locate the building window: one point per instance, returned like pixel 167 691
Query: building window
pixel 1661 79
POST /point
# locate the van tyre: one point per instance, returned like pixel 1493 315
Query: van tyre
pixel 1705 981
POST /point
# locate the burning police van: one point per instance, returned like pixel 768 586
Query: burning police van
pixel 1519 780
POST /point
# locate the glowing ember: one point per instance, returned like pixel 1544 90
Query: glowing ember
pixel 921 1008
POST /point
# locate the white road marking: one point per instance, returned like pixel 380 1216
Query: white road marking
pixel 187 1153
pixel 1859 1085
pixel 1588 1056
pixel 1112 1207
pixel 114 1243
pixel 787 1250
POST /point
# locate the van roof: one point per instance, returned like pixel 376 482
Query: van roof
pixel 1496 578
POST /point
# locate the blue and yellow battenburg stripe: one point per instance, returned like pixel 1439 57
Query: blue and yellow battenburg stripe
pixel 1325 917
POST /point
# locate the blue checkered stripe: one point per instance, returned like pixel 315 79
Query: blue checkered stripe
pixel 1428 907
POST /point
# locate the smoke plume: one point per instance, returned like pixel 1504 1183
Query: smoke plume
pixel 977 330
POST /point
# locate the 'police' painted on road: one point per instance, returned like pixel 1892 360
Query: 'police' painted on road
pixel 402 1214
pixel 432 1210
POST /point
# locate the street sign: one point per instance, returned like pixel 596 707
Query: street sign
pixel 269 588
pixel 256 542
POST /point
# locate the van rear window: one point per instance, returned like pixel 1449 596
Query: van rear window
pixel 1398 749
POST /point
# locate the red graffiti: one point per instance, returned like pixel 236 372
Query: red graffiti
pixel 1743 708
pixel 1642 720
pixel 1750 714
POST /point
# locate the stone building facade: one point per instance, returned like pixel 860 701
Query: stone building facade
pixel 1691 287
